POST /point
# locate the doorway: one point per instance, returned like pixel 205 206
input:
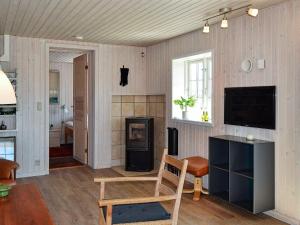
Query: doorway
pixel 68 107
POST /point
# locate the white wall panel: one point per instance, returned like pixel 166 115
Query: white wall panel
pixel 131 58
pixel 273 36
pixel 28 57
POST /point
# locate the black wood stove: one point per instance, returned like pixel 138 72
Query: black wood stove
pixel 139 144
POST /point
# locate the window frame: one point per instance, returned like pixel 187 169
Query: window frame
pixel 178 57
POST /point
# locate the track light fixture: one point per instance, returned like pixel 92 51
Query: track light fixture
pixel 224 23
pixel 224 11
pixel 252 12
pixel 206 27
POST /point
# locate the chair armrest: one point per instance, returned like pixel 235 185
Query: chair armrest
pixel 123 179
pixel 109 202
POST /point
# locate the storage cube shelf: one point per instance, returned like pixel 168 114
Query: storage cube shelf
pixel 242 172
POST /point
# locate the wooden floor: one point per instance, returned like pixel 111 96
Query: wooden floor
pixel 71 197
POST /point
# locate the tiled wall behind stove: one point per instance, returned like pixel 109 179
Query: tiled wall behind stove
pixel 137 105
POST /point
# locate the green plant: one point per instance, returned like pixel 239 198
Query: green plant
pixel 185 102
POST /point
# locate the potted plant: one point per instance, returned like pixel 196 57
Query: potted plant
pixel 184 103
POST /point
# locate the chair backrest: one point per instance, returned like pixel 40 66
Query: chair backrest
pixel 6 167
pixel 173 180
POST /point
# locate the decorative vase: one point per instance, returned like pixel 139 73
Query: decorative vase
pixel 184 115
pixel 3 126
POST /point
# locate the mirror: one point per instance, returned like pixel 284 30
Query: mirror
pixel 54 87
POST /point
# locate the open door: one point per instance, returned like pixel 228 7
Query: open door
pixel 80 82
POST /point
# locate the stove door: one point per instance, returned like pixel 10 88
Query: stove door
pixel 136 134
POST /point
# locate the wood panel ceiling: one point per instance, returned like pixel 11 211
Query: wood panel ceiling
pixel 127 22
pixel 63 56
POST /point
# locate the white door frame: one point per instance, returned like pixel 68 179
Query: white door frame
pixel 92 154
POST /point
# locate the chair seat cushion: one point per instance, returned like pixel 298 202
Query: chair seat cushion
pixel 138 213
pixel 197 166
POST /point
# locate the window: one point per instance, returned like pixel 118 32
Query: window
pixel 192 79
pixel 7 148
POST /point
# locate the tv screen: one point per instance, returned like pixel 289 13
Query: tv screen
pixel 251 106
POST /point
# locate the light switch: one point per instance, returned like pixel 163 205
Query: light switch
pixel 39 106
pixel 261 64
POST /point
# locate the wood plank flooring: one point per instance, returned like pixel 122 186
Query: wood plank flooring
pixel 71 197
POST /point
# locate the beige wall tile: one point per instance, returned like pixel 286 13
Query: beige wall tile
pixel 122 151
pixel 116 152
pixel 140 98
pixel 127 98
pixel 147 109
pixel 127 109
pixel 137 105
pixel 160 110
pixel 116 123
pixel 123 124
pixel 123 137
pixel 116 98
pixel 152 109
pixel 140 109
pixel 160 98
pixel 116 138
pixel 116 109
pixel 152 98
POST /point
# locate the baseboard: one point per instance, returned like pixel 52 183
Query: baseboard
pixel 33 174
pixel 282 217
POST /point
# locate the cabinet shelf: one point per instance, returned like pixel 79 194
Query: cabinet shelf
pixel 244 173
pixel 232 163
pixel 219 183
pixel 221 166
pixel 223 195
pixel 248 205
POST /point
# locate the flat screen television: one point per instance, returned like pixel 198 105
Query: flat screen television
pixel 251 106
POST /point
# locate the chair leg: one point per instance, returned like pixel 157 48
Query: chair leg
pixel 101 217
pixel 197 188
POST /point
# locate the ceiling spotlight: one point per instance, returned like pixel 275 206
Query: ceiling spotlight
pixel 224 23
pixel 252 12
pixel 78 37
pixel 206 27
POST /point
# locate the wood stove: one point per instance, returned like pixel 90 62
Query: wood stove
pixel 139 144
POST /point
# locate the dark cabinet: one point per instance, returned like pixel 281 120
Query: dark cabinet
pixel 242 172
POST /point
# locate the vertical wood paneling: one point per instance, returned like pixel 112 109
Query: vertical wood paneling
pixel 273 36
pixel 131 58
pixel 28 57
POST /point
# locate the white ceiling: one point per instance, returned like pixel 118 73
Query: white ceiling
pixel 128 22
pixel 63 56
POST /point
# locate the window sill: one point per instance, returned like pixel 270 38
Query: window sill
pixel 193 122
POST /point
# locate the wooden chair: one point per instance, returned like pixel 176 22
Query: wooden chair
pixel 145 210
pixel 7 172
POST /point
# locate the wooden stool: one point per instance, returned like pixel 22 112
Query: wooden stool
pixel 198 167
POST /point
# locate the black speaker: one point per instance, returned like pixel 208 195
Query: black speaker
pixel 172 141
